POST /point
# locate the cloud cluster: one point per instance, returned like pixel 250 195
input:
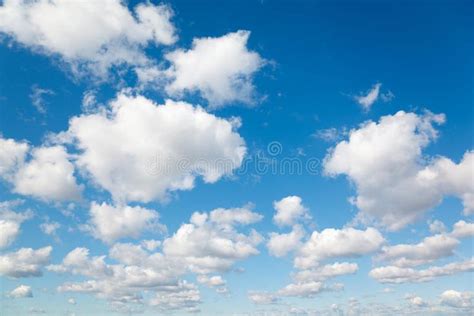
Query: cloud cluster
pixel 90 36
pixel 140 267
pixel 395 183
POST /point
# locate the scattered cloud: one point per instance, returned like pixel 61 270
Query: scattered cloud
pixel 21 291
pixel 165 147
pixel 289 211
pixel 37 97
pixel 220 69
pixel 394 274
pixel 395 183
pixel 110 223
pixel 457 299
pixel 110 34
pixel 25 262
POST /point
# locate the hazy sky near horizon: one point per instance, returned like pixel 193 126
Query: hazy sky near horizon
pixel 236 157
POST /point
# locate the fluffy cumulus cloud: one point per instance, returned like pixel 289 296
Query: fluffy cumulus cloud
pixel 12 156
pixel 332 243
pixel 428 250
pixel 222 247
pixel 395 183
pixel 110 223
pixel 140 151
pixel 220 69
pixel 280 245
pixel 394 274
pixel 25 262
pixel 161 272
pixel 463 229
pixel 49 175
pixel 21 291
pixel 457 299
pixel 90 36
pixel 10 223
pixel 289 210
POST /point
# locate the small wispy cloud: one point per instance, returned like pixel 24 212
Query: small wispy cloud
pixel 37 98
pixel 367 99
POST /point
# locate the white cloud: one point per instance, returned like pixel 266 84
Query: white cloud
pixel 210 243
pixel 222 247
pixel 12 155
pixel 242 215
pixel 90 36
pixel 462 229
pixel 50 228
pixel 182 296
pixel 280 245
pixel 394 183
pixel 21 291
pixel 437 227
pixel 72 301
pixel 164 147
pixel 10 223
pixel 307 289
pixel 220 69
pixel 110 223
pixel 49 175
pixel 289 210
pixel 25 262
pixel 212 281
pixel 367 100
pixel 394 274
pixel 457 299
pixel 327 271
pixel 37 98
pixel 262 298
pixel 416 301
pixel 428 250
pixel 333 243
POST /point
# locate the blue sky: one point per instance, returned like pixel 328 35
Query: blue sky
pixel 240 158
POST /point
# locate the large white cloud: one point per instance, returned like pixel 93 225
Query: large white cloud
pixel 110 223
pixel 25 262
pixel 140 151
pixel 48 175
pixel 395 184
pixel 91 36
pixel 219 68
pixel 334 243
